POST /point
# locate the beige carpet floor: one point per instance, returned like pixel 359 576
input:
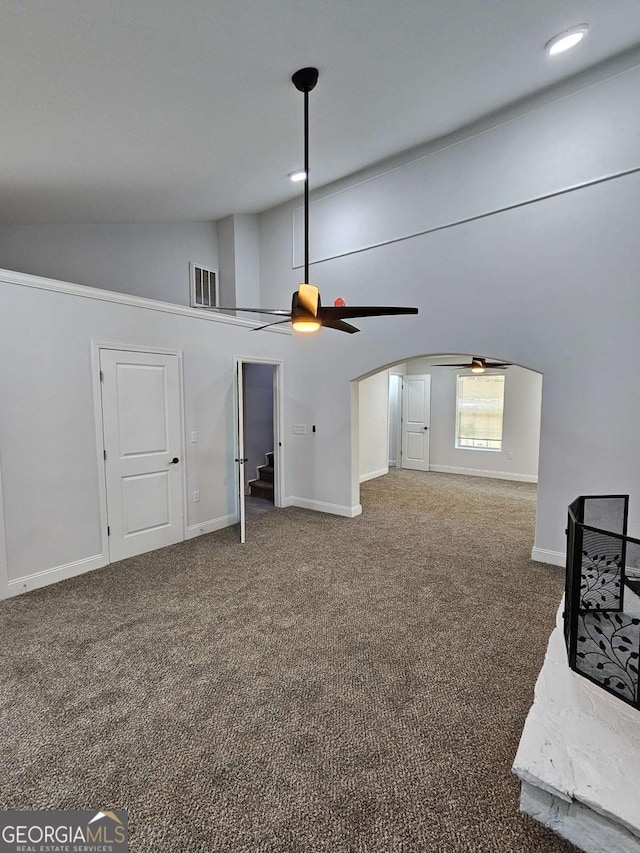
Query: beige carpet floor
pixel 352 686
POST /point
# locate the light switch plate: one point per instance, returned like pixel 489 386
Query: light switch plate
pixel 299 429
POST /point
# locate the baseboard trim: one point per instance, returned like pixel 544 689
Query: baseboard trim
pixel 373 474
pixel 478 472
pixel 210 526
pixel 58 573
pixel 322 506
pixel 554 558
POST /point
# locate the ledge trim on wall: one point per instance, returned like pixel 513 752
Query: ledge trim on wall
pixel 554 558
pixel 58 573
pixel 210 526
pixel 373 474
pixel 453 223
pixel 479 472
pixel 25 280
pixel 476 135
pixel 322 506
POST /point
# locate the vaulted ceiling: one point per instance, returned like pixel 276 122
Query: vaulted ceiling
pixel 150 110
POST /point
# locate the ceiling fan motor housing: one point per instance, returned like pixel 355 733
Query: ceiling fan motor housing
pixel 305 301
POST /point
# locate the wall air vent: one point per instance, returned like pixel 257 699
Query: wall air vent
pixel 204 286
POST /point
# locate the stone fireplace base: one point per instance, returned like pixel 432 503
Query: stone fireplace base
pixel 579 758
pixel 579 824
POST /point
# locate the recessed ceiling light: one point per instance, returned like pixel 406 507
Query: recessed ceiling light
pixel 297 175
pixel 567 39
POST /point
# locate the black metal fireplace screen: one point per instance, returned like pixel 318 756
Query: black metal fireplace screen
pixel 602 595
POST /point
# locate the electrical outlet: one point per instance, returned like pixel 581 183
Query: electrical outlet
pixel 194 436
pixel 196 497
pixel 510 455
pixel 299 429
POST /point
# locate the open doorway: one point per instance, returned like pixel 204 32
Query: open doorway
pixel 259 429
pixel 259 468
pixel 437 414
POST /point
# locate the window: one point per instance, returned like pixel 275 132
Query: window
pixel 204 286
pixel 479 409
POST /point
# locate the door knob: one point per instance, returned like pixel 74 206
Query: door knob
pixel 425 427
pixel 175 460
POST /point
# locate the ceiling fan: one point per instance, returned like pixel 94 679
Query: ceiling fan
pixel 479 365
pixel 307 314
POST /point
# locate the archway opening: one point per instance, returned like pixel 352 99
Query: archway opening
pixel 445 414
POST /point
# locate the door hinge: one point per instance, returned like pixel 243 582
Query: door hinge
pixel 101 376
pixel 104 452
pixel 108 531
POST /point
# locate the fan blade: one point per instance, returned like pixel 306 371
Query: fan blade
pixel 277 311
pixel 267 325
pixel 499 364
pixel 344 312
pixel 340 326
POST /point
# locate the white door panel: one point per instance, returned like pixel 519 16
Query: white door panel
pixel 146 502
pixel 415 445
pixel 142 409
pixel 416 400
pixel 142 438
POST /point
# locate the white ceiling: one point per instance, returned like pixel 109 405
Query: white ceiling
pixel 150 110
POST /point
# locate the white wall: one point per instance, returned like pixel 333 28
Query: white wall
pixel 239 261
pixel 48 447
pixel 395 413
pixel 549 283
pixel 150 260
pixel 373 426
pixel 227 260
pixel 520 428
pixel 247 236
pixel 258 416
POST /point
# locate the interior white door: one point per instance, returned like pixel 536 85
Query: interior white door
pixel 240 459
pixel 416 400
pixel 141 418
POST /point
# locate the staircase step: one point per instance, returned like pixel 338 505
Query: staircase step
pixel 269 458
pixel 265 472
pixel 261 489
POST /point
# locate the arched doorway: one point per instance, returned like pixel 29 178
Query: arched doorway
pixel 483 422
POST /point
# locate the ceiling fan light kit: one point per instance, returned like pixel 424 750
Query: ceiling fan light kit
pixel 307 313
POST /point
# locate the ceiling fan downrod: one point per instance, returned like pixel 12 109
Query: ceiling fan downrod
pixel 305 80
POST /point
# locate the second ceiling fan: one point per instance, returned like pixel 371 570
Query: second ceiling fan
pixel 307 314
pixel 479 365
